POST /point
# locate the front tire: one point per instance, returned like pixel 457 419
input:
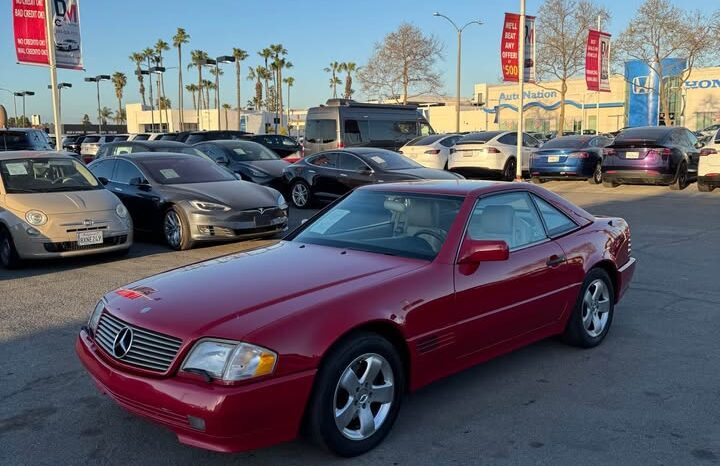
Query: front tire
pixel 590 321
pixel 300 194
pixel 9 257
pixel 597 175
pixel 357 395
pixel 704 187
pixel 681 180
pixel 176 230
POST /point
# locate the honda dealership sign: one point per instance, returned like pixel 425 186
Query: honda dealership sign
pixel 30 32
pixel 510 48
pixel 597 61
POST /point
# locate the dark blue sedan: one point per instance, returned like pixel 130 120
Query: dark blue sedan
pixel 569 158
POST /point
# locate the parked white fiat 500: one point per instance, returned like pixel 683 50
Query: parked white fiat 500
pixel 431 151
pixel 491 153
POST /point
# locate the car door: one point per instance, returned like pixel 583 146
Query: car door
pixel 103 171
pixel 693 153
pixel 353 172
pixel 324 172
pixel 503 300
pixel 140 201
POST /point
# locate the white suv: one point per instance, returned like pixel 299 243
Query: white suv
pixel 709 165
pixel 432 151
pixel 491 153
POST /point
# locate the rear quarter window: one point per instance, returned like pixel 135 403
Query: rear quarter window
pixel 321 131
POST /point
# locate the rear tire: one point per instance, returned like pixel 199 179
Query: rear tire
pixel 597 175
pixel 610 184
pixel 349 412
pixel 703 187
pixel 176 230
pixel 681 180
pixel 509 171
pixel 590 321
pixel 9 257
pixel 300 194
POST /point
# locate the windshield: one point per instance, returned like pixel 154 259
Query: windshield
pixel 45 175
pixel 396 224
pixel 185 170
pixel 566 143
pixel 390 161
pixel 248 151
pixel 320 131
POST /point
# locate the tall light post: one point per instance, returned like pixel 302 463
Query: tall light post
pixel 459 55
pixel 23 94
pixel 216 63
pixel 96 80
pixel 14 101
pixel 141 72
pixel 159 70
pixel 60 87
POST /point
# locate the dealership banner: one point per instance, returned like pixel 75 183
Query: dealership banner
pixel 597 61
pixel 30 32
pixel 510 48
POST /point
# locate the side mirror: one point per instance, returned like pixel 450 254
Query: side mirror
pixel 699 145
pixel 222 160
pixel 140 183
pixel 476 251
pixel 104 181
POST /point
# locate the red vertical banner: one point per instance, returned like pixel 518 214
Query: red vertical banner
pixel 597 61
pixel 30 36
pixel 510 48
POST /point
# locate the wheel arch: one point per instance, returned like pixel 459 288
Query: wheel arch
pixel 609 267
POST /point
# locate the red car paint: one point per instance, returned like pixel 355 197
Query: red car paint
pixel 299 299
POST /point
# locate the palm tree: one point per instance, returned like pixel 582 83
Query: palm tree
pixel 138 58
pixel 279 64
pixel 239 55
pixel 255 74
pixel 207 86
pixel 266 54
pixel 179 39
pixel 164 103
pixel 196 60
pixel 192 89
pixel 120 116
pixel 290 82
pixel 105 113
pixel 226 107
pixel 149 55
pixel 349 68
pixel 216 72
pixel 160 47
pixel 334 81
pixel 119 80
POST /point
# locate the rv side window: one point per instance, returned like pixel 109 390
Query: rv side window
pixel 425 128
pixel 320 131
pixel 356 131
pixel 391 130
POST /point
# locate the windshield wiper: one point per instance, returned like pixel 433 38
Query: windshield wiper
pixel 22 191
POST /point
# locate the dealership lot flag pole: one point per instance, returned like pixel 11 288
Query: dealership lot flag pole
pixel 521 90
pixel 597 106
pixel 50 42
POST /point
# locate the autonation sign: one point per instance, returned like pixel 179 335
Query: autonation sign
pixel 702 84
pixel 504 96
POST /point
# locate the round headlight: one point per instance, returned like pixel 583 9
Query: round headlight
pixel 35 217
pixel 121 211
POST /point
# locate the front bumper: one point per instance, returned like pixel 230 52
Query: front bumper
pixel 117 237
pixel 236 418
pixel 638 176
pixel 225 226
pixel 710 180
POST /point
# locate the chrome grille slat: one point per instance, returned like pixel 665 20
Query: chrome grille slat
pixel 149 350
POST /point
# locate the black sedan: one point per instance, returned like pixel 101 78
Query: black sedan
pixel 130 147
pixel 281 145
pixel 328 175
pixel 190 199
pixel 569 158
pixel 252 161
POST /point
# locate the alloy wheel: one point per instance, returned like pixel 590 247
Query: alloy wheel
pixel 510 169
pixel 173 229
pixel 4 250
pixel 597 175
pixel 300 194
pixel 596 308
pixel 363 396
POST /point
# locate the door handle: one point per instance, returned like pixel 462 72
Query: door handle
pixel 312 171
pixel 343 174
pixel 555 260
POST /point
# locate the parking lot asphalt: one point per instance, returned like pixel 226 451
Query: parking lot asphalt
pixel 647 396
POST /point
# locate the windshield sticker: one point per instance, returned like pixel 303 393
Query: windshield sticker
pixel 328 220
pixel 169 173
pixel 378 159
pixel 15 169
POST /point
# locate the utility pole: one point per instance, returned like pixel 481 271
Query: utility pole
pixel 521 90
pixel 96 80
pixel 50 42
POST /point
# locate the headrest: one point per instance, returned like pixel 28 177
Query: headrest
pixel 394 206
pixel 498 220
pixel 422 214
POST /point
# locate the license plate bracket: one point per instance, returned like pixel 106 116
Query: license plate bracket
pixel 632 155
pixel 553 159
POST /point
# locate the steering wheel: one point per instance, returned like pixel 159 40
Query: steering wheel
pixel 67 179
pixel 432 233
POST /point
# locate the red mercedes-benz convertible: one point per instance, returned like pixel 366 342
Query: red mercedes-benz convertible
pixel 390 288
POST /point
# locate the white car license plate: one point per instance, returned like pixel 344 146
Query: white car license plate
pixel 632 155
pixel 88 238
pixel 553 159
pixel 479 152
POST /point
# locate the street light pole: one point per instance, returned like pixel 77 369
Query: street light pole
pixel 96 80
pixel 521 92
pixel 60 87
pixel 159 70
pixel 22 94
pixel 457 70
pixel 216 63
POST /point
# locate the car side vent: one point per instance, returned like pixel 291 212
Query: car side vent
pixel 435 342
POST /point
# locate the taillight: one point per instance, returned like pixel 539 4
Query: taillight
pixel 579 155
pixel 492 150
pixel 708 151
pixel 401 152
pixel 341 145
pixel 433 151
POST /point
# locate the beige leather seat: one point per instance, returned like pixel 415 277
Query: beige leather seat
pixel 424 216
pixel 497 222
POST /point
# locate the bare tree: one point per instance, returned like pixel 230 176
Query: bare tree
pixel 404 61
pixel 562 31
pixel 661 30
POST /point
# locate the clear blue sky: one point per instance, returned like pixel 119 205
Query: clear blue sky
pixel 315 32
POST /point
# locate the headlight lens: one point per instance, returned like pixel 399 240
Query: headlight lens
pixel 282 203
pixel 35 217
pixel 121 211
pixel 254 172
pixel 209 206
pixel 95 316
pixel 231 361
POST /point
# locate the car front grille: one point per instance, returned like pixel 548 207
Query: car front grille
pixel 148 350
pixel 68 246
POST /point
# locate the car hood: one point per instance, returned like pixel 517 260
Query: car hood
pixel 424 174
pixel 232 296
pixel 272 167
pixel 95 200
pixel 236 194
